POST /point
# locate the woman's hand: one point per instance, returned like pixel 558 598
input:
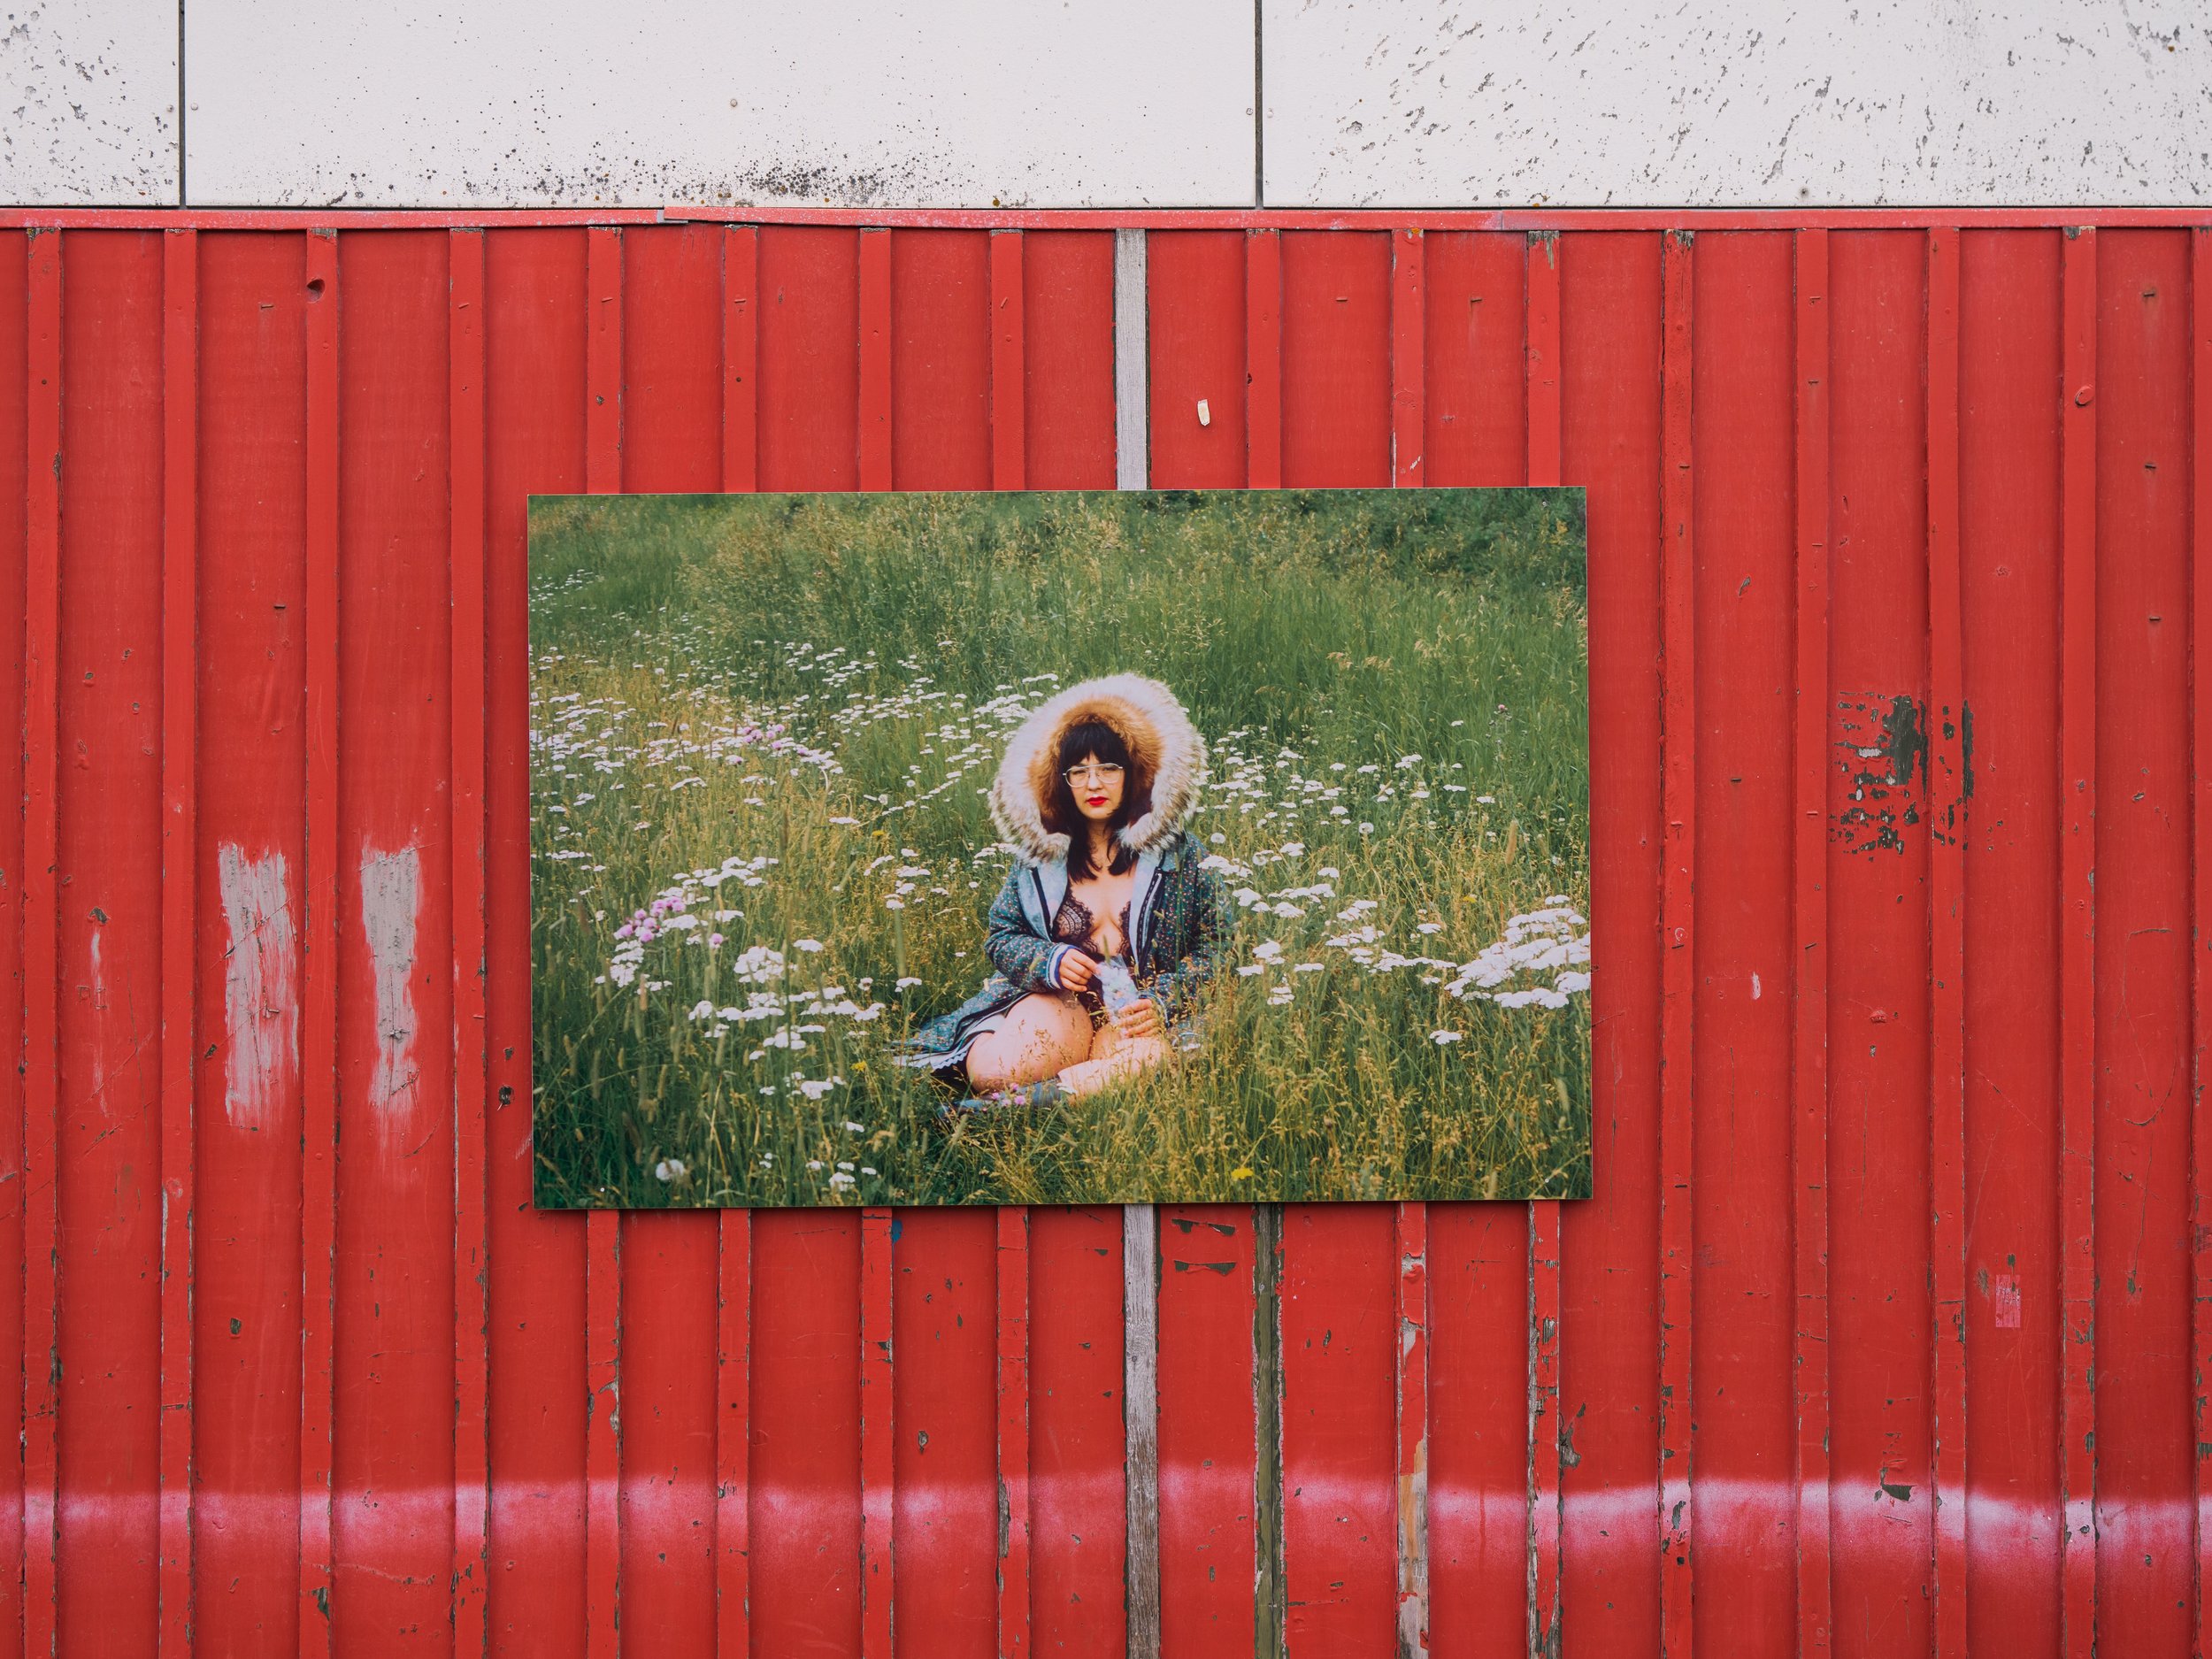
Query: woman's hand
pixel 1140 1018
pixel 1077 971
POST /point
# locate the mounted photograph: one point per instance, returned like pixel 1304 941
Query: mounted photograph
pixel 1059 848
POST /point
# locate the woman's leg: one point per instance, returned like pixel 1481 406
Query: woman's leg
pixel 1044 1033
pixel 1113 1057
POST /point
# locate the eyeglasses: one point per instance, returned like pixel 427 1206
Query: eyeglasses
pixel 1076 775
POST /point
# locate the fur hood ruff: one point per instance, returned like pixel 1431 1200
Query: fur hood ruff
pixel 1161 741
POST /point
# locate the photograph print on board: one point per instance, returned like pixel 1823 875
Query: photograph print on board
pixel 1059 848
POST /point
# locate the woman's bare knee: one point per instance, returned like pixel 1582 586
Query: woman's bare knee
pixel 1043 1033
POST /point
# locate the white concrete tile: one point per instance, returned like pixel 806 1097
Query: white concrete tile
pixel 88 104
pixel 892 103
pixel 1736 102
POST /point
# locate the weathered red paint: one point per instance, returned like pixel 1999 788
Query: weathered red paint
pixel 1930 1242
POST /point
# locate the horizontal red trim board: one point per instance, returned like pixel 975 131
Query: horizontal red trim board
pixel 1561 218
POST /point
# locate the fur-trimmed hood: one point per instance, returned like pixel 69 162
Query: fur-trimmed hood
pixel 1161 741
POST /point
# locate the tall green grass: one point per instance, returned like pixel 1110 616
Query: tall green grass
pixel 821 687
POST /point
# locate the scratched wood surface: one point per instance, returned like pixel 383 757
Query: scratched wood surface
pixel 1881 1334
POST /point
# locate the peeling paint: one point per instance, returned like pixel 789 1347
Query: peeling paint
pixel 391 895
pixel 1882 746
pixel 260 987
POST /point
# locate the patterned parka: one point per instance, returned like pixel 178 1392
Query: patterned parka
pixel 1179 908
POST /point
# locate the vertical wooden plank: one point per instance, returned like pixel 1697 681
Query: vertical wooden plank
pixel 1336 353
pixel 602 411
pixel 392 1464
pixel 535 350
pixel 1742 529
pixel 1140 1407
pixel 1216 1398
pixel 1479 1348
pixel 875 359
pixel 1271 1631
pixel 2078 1055
pixel 2200 932
pixel 674 322
pixel 1013 1430
pixel 472 1244
pixel 1078 1524
pixel 1809 1037
pixel 180 653
pixel 733 1417
pixel 815 1574
pixel 1135 416
pixel 42 926
pixel 1679 718
pixel 1263 358
pixel 741 357
pixel 672 394
pixel 945 1515
pixel 108 810
pixel 603 1453
pixel 602 1363
pixel 1409 334
pixel 1474 285
pixel 944 344
pixel 2141 1140
pixel 1612 346
pixel 879 1234
pixel 816 1384
pixel 1132 354
pixel 1339 1487
pixel 1881 1358
pixel 318 1178
pixel 2009 602
pixel 250 787
pixel 1009 422
pixel 1541 331
pixel 1411 1286
pixel 1480 1590
pixel 1408 424
pixel 1066 387
pixel 1195 383
pixel 808 372
pixel 1544 1427
pixel 16 384
pixel 1947 898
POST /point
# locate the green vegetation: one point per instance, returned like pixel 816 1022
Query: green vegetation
pixel 762 727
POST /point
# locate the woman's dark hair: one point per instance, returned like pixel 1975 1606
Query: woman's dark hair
pixel 1094 740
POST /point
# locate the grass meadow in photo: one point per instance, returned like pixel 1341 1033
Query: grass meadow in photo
pixel 765 731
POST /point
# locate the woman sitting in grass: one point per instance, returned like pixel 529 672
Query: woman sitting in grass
pixel 1107 926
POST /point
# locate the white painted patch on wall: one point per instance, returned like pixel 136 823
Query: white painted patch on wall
pixel 391 892
pixel 1813 104
pixel 261 979
pixel 90 116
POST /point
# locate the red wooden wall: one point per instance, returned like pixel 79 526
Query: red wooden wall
pixel 1882 1335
